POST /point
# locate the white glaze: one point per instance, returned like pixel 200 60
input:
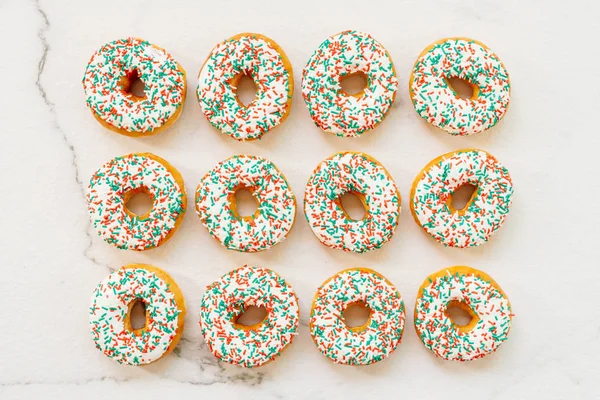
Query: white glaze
pixel 438 332
pixel 346 173
pixel 228 297
pixel 439 105
pixel 109 308
pixel 106 201
pixel 217 97
pixel 163 79
pixel 483 216
pixel 347 53
pixel 384 330
pixel 276 203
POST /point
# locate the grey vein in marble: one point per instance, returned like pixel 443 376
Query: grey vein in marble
pixel 52 109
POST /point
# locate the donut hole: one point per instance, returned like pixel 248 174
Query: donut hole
pixel 354 205
pixel 139 202
pixel 245 89
pixel 137 315
pixel 251 317
pixel 462 88
pixel 243 203
pixel 133 85
pixel 461 315
pixel 353 84
pixel 356 316
pixel 462 197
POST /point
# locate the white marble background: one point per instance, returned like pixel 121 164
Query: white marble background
pixel 545 257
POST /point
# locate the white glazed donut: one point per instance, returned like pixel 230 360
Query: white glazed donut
pixel 227 298
pixel 366 344
pixel 349 53
pixel 110 320
pixel 365 177
pixel 108 78
pixel 473 291
pixel 265 62
pixel 116 181
pixel 215 204
pixel 437 103
pixel 474 224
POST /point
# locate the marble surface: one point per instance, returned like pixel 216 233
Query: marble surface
pixel 545 257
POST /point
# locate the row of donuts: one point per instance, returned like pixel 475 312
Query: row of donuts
pixel 431 201
pixel 234 342
pixel 116 65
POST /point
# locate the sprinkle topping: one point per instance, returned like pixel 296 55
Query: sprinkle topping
pixel 229 297
pixel 483 215
pixel 347 53
pixel 437 103
pixel 162 76
pixel 357 173
pixel 109 309
pixel 383 331
pixel 261 59
pixel 276 204
pixel 133 173
pixel 437 331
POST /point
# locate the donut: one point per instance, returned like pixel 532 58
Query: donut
pixel 367 179
pixel 110 311
pixel 437 102
pixel 366 344
pixel 228 298
pixel 264 61
pixel 113 185
pixel 485 212
pixel 216 206
pixel 340 56
pixel 478 294
pixel 107 83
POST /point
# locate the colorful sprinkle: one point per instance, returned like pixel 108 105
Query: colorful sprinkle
pixel 226 299
pixel 482 216
pixel 477 291
pixel 109 311
pixel 106 196
pixel 163 77
pixel 371 343
pixel 264 61
pixel 360 174
pixel 348 53
pixel 437 103
pixel 276 204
